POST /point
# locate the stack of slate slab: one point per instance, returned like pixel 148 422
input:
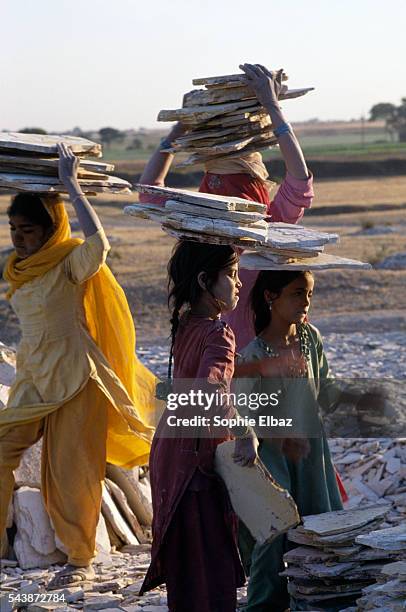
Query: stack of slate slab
pixel 224 119
pixel 339 554
pixel 242 223
pixel 29 162
pixel 389 594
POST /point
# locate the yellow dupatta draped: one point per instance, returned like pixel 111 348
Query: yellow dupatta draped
pixel 110 325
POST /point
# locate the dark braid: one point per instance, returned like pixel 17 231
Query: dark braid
pixel 273 281
pixel 188 260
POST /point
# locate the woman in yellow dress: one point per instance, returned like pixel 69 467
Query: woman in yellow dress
pixel 78 384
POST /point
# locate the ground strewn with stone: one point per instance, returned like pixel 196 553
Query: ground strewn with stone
pixel 362 316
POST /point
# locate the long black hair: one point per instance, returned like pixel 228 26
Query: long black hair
pixel 188 260
pixel 273 281
pixel 30 206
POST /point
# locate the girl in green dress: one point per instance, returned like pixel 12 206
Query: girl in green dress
pixel 287 357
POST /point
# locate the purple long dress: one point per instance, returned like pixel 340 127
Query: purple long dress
pixel 194 548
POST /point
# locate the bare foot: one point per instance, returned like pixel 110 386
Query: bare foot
pixel 71 575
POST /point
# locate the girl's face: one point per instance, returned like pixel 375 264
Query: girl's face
pixel 26 236
pixel 293 303
pixel 227 287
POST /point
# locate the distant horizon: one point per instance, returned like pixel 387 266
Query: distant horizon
pixel 164 126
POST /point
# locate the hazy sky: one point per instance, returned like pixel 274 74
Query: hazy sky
pixel 93 63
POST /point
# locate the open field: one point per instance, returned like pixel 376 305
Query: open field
pixel 140 252
pixel 346 140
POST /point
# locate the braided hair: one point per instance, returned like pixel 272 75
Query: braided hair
pixel 274 281
pixel 188 260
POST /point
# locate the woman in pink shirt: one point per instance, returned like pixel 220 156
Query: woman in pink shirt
pixel 246 176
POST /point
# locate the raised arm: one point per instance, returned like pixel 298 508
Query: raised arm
pixel 267 86
pixel 159 164
pixel 68 175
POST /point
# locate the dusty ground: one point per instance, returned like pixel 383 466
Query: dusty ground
pixel 140 252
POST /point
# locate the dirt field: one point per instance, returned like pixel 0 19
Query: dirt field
pixel 140 252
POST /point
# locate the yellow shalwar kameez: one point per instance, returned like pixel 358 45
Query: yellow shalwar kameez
pixel 78 384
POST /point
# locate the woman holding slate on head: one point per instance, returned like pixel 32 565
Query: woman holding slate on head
pixel 78 384
pixel 245 176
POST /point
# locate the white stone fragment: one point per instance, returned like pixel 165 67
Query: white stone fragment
pixel 265 507
pixel 117 522
pixel 34 544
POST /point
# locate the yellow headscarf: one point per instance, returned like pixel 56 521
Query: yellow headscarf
pixel 107 312
pixel 17 272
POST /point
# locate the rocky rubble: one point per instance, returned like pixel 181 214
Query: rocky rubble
pixel 373 471
pixel 340 556
pixel 116 587
pixel 388 594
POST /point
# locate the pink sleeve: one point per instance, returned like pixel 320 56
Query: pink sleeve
pixel 217 361
pixel 216 368
pixel 292 197
pixel 147 198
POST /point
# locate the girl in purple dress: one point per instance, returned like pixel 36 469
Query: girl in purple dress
pixel 194 528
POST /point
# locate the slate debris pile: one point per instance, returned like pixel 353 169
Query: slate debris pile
pixel 373 470
pixel 390 591
pixel 340 554
pixel 218 219
pixel 115 587
pixel 224 119
pixel 29 162
pixel 388 594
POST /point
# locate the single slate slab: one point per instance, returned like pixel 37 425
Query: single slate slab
pixel 123 505
pixel 47 143
pixel 202 97
pixel 44 184
pixel 289 235
pixel 216 227
pixel 244 218
pixel 265 507
pixel 200 114
pixel 8 178
pixel 116 520
pixel 197 158
pixel 227 79
pixel 392 538
pixel 48 163
pixel 324 261
pixel 209 200
pixel 151 212
pixel 331 523
pixel 395 569
pixel 243 243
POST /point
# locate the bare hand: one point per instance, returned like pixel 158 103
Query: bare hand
pixel 284 366
pixel 68 166
pixel 295 449
pixel 245 451
pixel 266 85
